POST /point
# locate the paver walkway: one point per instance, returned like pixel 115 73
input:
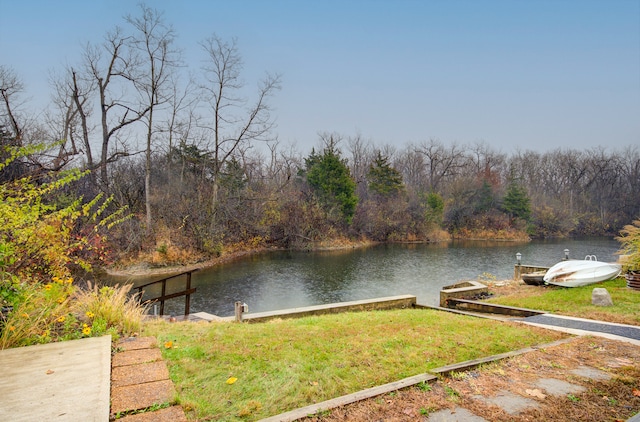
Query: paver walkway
pixel 140 382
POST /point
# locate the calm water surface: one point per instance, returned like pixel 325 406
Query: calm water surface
pixel 280 280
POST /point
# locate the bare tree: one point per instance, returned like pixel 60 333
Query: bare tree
pixel 153 41
pixel 20 128
pixel 630 190
pixel 412 166
pixel 67 119
pixel 80 96
pixel 362 154
pixel 487 163
pixel 10 88
pixel 112 69
pixel 442 162
pixel 231 123
pixel 180 119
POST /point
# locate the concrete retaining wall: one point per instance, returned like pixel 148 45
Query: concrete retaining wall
pixel 464 290
pixel 490 308
pixel 518 270
pixel 392 302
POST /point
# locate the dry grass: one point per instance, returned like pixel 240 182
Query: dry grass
pixel 111 309
pixel 492 234
pixel 40 316
pixel 59 311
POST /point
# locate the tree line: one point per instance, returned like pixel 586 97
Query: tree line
pixel 195 162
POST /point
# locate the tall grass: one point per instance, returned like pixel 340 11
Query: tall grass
pixel 59 311
pixel 113 310
pixel 40 315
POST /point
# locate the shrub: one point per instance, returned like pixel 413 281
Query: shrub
pixel 41 244
pixel 630 240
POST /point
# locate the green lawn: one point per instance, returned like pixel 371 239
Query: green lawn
pixel 285 364
pixel 576 301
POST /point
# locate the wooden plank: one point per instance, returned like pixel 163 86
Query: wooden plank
pixel 172 295
pixel 470 364
pixel 349 398
pixel 165 279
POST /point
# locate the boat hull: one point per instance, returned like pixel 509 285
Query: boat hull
pixel 574 273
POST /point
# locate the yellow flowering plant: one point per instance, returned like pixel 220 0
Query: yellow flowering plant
pixel 44 238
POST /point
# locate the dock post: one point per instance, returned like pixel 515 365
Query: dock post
pixel 238 311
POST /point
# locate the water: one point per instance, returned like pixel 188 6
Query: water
pixel 280 280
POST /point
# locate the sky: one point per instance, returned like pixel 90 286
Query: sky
pixel 514 74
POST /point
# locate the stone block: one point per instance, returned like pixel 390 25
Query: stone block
pixel 139 374
pixel 509 402
pixel 592 373
pixel 134 357
pixel 169 414
pixel 558 387
pixel 462 290
pixel 141 396
pixel 135 343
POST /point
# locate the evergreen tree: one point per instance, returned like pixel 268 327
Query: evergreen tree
pixel 434 212
pixel 329 176
pixel 233 178
pixel 484 198
pixel 383 179
pixel 516 202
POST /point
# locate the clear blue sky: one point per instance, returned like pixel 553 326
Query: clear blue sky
pixel 527 74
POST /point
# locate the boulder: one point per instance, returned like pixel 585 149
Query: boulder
pixel 601 297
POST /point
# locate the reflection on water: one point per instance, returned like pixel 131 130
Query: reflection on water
pixel 279 280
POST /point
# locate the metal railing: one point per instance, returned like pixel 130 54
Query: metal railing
pixel 187 292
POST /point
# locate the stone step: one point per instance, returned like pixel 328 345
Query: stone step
pixel 169 414
pixel 140 381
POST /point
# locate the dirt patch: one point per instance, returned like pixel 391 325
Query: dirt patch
pixel 608 371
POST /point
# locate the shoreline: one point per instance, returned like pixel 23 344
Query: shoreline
pixel 141 269
pixel 144 269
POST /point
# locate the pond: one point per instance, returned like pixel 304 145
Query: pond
pixel 281 280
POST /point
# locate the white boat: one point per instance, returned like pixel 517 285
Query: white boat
pixel 574 273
